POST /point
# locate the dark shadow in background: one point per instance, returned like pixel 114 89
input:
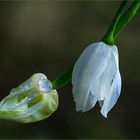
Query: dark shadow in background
pixel 48 37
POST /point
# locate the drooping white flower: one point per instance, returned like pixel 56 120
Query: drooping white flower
pixel 96 77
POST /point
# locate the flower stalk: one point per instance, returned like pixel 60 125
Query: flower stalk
pixel 64 79
pixel 127 16
pixel 109 36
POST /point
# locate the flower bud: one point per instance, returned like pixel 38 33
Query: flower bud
pixel 32 101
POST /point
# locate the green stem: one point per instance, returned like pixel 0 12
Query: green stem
pixel 109 36
pixel 127 16
pixel 64 79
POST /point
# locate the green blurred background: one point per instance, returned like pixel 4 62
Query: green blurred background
pixel 48 37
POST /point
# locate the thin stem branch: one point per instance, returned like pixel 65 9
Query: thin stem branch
pixel 109 36
pixel 127 16
pixel 64 79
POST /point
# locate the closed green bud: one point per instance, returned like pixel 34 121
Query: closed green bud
pixel 32 101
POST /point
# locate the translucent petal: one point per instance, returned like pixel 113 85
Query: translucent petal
pixel 115 88
pixel 90 65
pixel 45 85
pixel 114 51
pixel 105 79
pixel 91 101
pixel 112 97
pixel 101 102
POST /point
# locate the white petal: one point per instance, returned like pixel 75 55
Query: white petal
pixel 45 85
pixel 101 103
pixel 91 101
pixel 112 97
pixel 90 65
pixel 115 89
pixel 108 75
pixel 116 55
pixel 101 86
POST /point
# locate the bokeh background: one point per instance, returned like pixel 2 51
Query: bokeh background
pixel 48 37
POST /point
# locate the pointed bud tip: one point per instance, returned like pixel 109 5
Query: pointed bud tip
pixel 104 114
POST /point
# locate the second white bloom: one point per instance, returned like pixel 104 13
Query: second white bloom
pixel 96 77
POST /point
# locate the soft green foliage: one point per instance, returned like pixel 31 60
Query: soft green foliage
pixel 31 101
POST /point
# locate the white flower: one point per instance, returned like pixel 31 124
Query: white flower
pixel 96 77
